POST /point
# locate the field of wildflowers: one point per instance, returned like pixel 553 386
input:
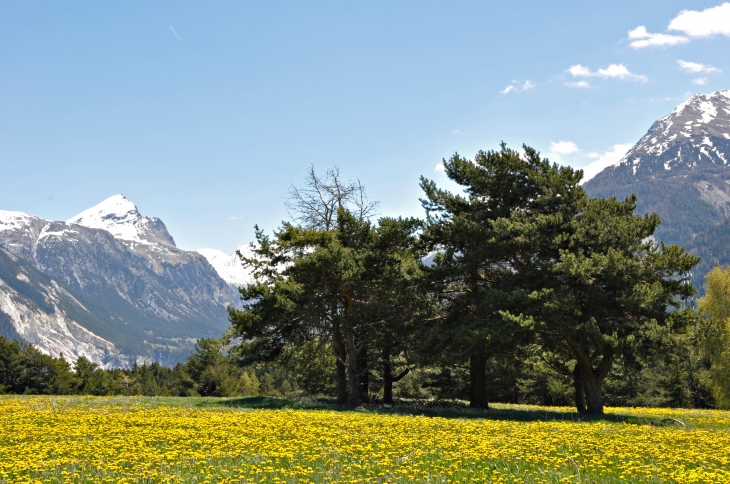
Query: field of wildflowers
pixel 140 440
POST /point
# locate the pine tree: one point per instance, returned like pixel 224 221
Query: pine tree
pixel 526 257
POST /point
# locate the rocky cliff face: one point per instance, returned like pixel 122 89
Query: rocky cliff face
pixel 680 170
pixel 37 309
pixel 149 298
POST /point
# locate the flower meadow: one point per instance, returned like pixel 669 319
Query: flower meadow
pixel 141 440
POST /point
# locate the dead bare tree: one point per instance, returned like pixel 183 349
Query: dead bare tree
pixel 315 205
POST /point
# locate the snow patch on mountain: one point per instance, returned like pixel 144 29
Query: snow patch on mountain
pixel 229 266
pixel 14 220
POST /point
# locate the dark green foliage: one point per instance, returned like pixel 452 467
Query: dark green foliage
pixel 494 243
pixel 210 371
pixel 526 258
pixel 350 289
pixel 24 369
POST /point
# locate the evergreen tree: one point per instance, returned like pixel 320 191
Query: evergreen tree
pixel 493 242
pixel 328 285
pixel 527 257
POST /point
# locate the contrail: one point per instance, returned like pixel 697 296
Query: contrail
pixel 173 31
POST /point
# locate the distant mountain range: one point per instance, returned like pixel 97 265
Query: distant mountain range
pixel 680 170
pixel 111 285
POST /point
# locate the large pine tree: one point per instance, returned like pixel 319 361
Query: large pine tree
pixel 526 258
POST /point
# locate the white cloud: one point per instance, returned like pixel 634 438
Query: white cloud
pixel 455 131
pixel 578 84
pixel 700 80
pixel 235 218
pixel 579 71
pixel 614 71
pixel 439 167
pixel 708 22
pixel 692 23
pixel 517 86
pixel 619 71
pixel 641 38
pixel 694 67
pixel 603 160
pixel 563 147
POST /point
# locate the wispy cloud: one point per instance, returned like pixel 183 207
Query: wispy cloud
pixel 700 80
pixel 695 67
pixel 614 71
pixel 578 84
pixel 664 99
pixel 517 86
pixel 455 131
pixel 235 218
pixel 641 38
pixel 173 31
pixel 705 23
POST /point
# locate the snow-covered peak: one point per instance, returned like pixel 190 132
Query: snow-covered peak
pixel 229 266
pixel 120 217
pixel 14 220
pixel 696 132
pixel 115 214
pixel 700 109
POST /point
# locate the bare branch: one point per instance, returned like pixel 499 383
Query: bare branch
pixel 316 203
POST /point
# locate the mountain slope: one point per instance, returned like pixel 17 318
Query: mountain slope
pixel 680 170
pixel 37 309
pixel 150 298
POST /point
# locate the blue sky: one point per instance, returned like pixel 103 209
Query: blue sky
pixel 203 113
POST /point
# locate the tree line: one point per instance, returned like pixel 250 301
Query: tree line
pixel 519 288
pixel 209 371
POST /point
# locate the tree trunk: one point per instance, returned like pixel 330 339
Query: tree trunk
pixel 594 399
pixel 352 368
pixel 341 358
pixel 580 396
pixel 478 378
pixel 387 378
pixel 363 374
pixel 592 379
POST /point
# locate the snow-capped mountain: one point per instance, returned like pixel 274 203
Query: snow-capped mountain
pixel 148 298
pixel 229 266
pixel 697 132
pixel 679 169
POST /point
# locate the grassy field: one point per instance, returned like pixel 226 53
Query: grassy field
pixel 200 440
